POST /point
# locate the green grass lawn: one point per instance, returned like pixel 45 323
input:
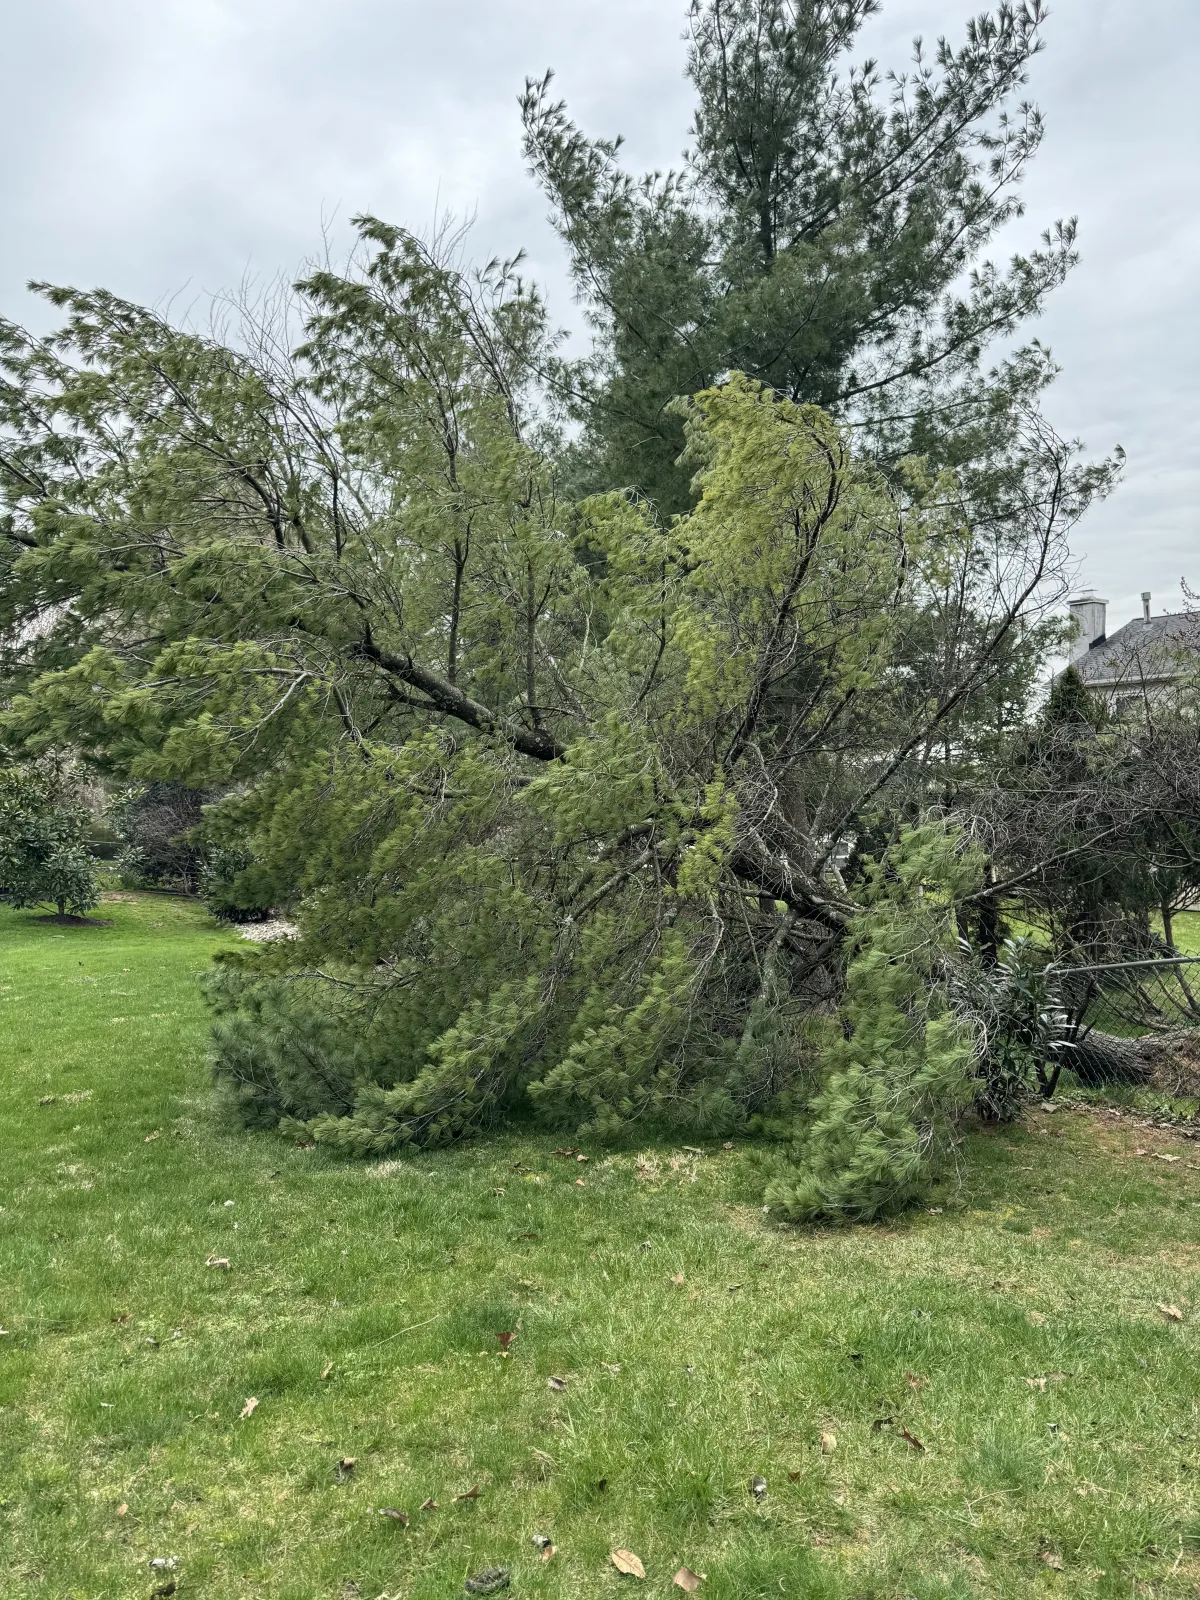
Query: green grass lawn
pixel 698 1344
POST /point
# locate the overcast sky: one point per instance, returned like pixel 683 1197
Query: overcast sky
pixel 167 147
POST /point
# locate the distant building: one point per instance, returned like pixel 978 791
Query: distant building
pixel 1143 661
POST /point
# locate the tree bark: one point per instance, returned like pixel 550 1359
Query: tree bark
pixel 1169 1062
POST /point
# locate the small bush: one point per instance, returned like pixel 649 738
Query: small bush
pixel 44 858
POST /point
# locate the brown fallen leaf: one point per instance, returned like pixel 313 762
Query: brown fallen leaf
pixel 1160 1156
pixel 396 1516
pixel 559 1385
pixel 250 1407
pixel 1051 1560
pixel 794 1477
pixel 505 1339
pixel 728 1145
pixel 122 1509
pixel 1172 1313
pixel 548 1553
pixel 625 1561
pixel 687 1580
pixel 123 1318
pixel 165 1589
pixel 470 1494
pixel 915 1382
pixel 828 1443
pixel 218 1261
pixel 428 1505
pixel 150 1137
pixel 911 1438
pixel 579 1183
pixel 326 1370
pixel 588 1158
pixel 527 1236
pixel 570 1151
pixel 678 1279
pixel 347 1465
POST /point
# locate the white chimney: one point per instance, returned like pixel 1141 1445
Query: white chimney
pixel 1089 615
pixel 1145 605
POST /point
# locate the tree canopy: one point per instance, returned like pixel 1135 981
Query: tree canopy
pixel 825 234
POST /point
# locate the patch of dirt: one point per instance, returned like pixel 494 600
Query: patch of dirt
pixel 74 922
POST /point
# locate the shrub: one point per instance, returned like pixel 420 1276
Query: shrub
pixel 44 859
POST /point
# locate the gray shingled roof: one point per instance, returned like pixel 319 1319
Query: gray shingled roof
pixel 1142 650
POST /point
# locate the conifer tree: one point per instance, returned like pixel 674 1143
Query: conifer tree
pixel 826 234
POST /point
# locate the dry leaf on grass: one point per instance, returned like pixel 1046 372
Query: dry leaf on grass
pixel 559 1385
pixel 688 1580
pixel 218 1261
pixel 470 1494
pixel 625 1561
pixel 1172 1313
pixel 122 1509
pixel 396 1516
pixel 504 1339
pixel 326 1370
pixel 165 1589
pixel 794 1477
pixel 912 1439
pixel 678 1279
pixel 428 1505
pixel 347 1465
pixel 1049 1558
pixel 1160 1156
pixel 250 1407
pixel 915 1382
pixel 828 1443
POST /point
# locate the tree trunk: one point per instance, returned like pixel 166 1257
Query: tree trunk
pixel 1169 1062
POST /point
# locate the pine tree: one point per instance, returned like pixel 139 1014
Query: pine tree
pixel 825 234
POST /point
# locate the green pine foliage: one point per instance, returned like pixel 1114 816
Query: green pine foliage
pixel 44 859
pixel 552 787
pixel 881 1125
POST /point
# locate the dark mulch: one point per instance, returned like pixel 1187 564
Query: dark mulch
pixel 74 922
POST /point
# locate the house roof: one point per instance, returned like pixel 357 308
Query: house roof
pixel 1142 651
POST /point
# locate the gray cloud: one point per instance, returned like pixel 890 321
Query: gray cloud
pixel 167 147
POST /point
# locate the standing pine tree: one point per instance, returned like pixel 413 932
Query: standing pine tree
pixel 825 235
